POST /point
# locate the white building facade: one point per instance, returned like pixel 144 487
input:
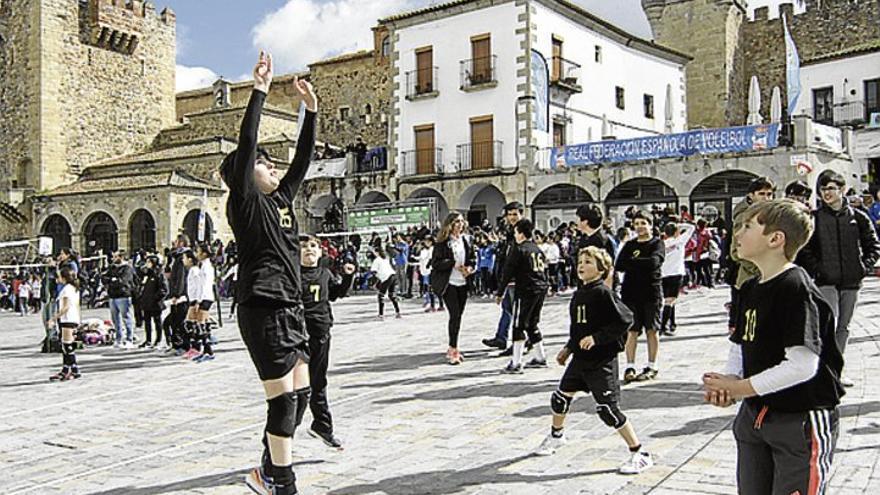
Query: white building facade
pixel 843 90
pixel 463 125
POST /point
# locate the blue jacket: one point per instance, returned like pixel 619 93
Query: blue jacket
pixel 487 257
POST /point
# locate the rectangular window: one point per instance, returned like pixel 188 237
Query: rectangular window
pixel 619 98
pixel 425 70
pixel 598 54
pixel 482 137
pixel 344 113
pixel 481 55
pixel 872 98
pixel 649 106
pixel 558 134
pixel 425 156
pixel 556 68
pixel 823 105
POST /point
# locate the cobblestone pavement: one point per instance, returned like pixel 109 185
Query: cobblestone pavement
pixel 141 424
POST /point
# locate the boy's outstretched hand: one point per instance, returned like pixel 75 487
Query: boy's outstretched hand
pixel 307 93
pixel 263 73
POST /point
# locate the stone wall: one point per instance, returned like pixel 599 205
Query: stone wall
pixel 826 26
pixel 361 83
pixel 282 95
pixel 710 32
pixel 225 123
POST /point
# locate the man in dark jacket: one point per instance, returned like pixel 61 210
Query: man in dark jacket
pixel 513 213
pixel 843 249
pixel 120 283
pixel 177 294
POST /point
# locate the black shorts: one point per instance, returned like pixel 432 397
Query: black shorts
pixel 206 305
pixel 671 285
pixel 601 382
pixel 646 315
pixel 275 337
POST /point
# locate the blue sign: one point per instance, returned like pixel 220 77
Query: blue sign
pixel 703 141
pixel 541 90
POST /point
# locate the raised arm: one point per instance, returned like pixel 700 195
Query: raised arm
pixel 305 143
pixel 242 175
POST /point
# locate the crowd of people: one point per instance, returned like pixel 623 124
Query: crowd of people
pixel 794 273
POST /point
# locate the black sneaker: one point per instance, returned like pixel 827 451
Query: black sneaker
pixel 510 369
pixel 671 331
pixel 328 439
pixel 536 363
pixel 629 375
pixel 646 374
pixel 495 342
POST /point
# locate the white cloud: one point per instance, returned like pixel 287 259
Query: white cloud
pixel 305 31
pixel 187 78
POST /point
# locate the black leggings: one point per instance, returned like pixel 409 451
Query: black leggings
pixel 456 299
pixel 152 318
pixel 388 287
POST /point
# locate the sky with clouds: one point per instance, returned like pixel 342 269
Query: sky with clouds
pixel 225 39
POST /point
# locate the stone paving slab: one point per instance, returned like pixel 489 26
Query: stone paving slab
pixel 142 424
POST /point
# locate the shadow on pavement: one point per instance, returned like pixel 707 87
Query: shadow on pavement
pixel 449 481
pixel 212 481
pixel 511 389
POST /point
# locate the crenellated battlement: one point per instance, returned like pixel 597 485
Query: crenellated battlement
pixel 119 25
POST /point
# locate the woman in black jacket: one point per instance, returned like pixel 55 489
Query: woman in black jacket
pixel 154 288
pixel 452 263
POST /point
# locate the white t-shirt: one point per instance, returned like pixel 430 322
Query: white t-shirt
pixel 425 259
pixel 673 264
pixel 206 278
pixel 24 290
pixel 70 293
pixel 551 252
pixel 194 284
pixel 457 246
pixel 382 267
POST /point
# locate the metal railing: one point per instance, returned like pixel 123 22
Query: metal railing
pixel 478 71
pixel 841 113
pixel 425 161
pixel 421 82
pixel 564 71
pixel 484 155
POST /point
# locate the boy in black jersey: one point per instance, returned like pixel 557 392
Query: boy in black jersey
pixel 270 317
pixel 784 361
pixel 599 322
pixel 640 260
pixel 525 265
pixel 320 286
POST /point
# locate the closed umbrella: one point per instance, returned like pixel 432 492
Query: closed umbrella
pixel 776 105
pixel 755 103
pixel 669 109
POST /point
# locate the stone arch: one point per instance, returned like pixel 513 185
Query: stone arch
pixel 373 197
pixel 442 207
pixel 558 204
pixel 481 201
pixel 142 231
pixel 100 233
pixel 642 192
pixel 714 196
pixel 191 226
pixel 58 228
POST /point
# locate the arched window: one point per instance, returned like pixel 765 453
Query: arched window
pixel 142 231
pixel 100 234
pixel 386 46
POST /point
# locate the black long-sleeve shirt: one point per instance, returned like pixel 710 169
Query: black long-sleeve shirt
pixel 641 263
pixel 596 310
pixel 320 287
pixel 525 265
pixel 264 225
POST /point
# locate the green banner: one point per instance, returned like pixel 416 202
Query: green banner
pixel 398 217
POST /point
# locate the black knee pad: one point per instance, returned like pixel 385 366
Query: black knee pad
pixel 68 348
pixel 281 418
pixel 302 403
pixel 611 415
pixel 560 403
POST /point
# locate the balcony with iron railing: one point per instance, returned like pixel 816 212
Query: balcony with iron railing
pixel 421 83
pixel 427 161
pixel 853 113
pixel 565 74
pixel 484 155
pixel 478 73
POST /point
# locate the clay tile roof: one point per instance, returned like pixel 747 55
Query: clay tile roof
pixel 344 57
pixel 189 150
pixel 424 10
pixel 174 178
pixel 850 51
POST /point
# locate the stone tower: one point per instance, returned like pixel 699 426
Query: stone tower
pixel 710 31
pixel 80 81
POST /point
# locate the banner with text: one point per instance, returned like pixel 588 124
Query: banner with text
pixel 703 141
pixel 398 217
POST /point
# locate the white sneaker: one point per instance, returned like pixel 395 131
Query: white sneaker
pixel 550 445
pixel 128 345
pixel 639 462
pixel 846 382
